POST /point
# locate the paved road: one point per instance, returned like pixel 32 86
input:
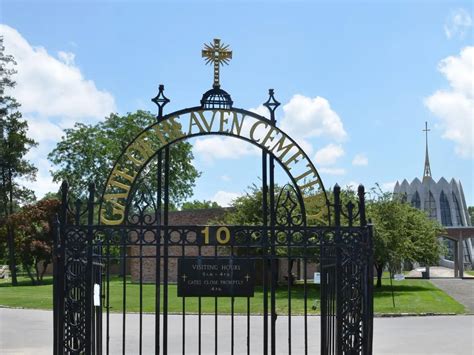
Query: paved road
pixel 461 290
pixel 30 332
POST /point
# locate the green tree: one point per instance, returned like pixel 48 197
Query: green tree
pixel 14 144
pixel 87 153
pixel 34 236
pixel 248 210
pixel 401 233
pixel 199 205
pixel 471 214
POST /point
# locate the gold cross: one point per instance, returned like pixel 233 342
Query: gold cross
pixel 218 53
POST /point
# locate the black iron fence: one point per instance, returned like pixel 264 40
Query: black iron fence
pixel 89 302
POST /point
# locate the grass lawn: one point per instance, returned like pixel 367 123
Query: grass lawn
pixel 470 272
pixel 411 296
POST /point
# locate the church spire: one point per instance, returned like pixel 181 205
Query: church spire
pixel 427 170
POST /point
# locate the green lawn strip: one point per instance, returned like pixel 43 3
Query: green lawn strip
pixel 414 296
pixel 470 272
pixel 175 303
pixel 25 295
pixel 411 296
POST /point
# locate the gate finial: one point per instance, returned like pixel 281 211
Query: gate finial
pixel 160 100
pixel 271 104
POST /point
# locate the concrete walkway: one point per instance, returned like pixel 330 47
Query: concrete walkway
pixel 461 290
pixel 30 332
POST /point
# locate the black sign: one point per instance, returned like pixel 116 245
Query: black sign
pixel 208 277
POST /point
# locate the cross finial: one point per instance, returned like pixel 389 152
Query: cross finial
pixel 271 104
pixel 219 54
pixel 160 100
pixel 427 169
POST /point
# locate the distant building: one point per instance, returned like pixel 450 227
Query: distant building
pixel 443 201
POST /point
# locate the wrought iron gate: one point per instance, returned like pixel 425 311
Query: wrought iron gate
pixel 160 309
pixel 84 260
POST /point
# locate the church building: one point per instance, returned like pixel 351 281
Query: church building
pixel 443 201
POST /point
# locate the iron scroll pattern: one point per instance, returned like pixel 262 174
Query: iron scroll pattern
pixel 289 211
pixel 76 268
pixel 71 280
pixel 347 279
pixel 345 255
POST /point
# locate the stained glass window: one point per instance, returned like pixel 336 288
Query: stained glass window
pixel 457 210
pixel 430 205
pixel 415 200
pixel 445 210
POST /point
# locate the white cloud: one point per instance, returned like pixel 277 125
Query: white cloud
pixel 329 154
pixel 332 171
pixel 49 86
pixel 455 107
pixel 458 22
pixel 261 110
pixel 214 148
pixel 42 130
pixel 360 160
pixel 53 94
pixel 210 149
pixel 303 118
pixel 67 57
pixel 43 183
pixel 224 198
pixel 306 117
pixel 226 178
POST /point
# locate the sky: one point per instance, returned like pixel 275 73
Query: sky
pixel 357 80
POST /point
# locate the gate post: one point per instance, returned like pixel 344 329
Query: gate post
pixel 368 270
pixel 59 290
pixel 89 346
pixel 339 269
pixel 57 274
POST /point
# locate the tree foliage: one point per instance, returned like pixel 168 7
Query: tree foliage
pixel 34 236
pixel 14 144
pixel 246 210
pixel 401 233
pixel 199 205
pixel 88 152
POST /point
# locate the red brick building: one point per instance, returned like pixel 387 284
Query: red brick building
pixel 146 268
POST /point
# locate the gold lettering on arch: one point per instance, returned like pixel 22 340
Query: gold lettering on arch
pixel 258 131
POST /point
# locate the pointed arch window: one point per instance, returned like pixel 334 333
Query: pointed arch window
pixel 457 211
pixel 445 210
pixel 416 201
pixel 430 205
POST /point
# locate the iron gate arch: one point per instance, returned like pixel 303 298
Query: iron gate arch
pixel 136 221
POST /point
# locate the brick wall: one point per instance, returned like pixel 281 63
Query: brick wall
pixel 148 264
pixel 147 270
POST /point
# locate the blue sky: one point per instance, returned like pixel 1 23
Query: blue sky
pixel 358 79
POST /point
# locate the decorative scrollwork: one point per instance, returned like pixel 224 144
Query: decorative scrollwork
pixel 143 209
pixel 288 209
